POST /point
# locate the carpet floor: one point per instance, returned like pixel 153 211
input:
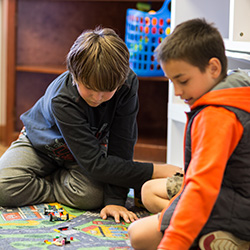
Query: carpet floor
pixel 30 227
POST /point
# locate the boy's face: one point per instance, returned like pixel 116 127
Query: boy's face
pixel 189 82
pixel 92 97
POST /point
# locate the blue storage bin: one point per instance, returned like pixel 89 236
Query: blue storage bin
pixel 144 32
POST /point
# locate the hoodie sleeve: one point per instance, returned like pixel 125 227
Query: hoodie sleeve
pixel 215 134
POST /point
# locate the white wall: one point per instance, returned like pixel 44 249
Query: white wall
pixel 2 68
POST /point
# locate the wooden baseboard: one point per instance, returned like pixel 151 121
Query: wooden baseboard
pixel 150 153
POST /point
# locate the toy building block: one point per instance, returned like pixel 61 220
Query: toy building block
pixel 51 209
pixel 60 241
pixel 58 217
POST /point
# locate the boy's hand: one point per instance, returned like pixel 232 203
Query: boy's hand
pixel 165 170
pixel 117 212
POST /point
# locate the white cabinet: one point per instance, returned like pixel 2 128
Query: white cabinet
pixel 232 18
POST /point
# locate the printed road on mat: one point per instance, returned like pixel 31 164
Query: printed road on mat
pixel 29 228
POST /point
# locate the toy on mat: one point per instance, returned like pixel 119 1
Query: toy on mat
pixel 59 241
pixel 144 32
pixel 56 214
pixel 48 211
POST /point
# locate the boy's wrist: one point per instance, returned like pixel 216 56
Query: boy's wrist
pixel 165 170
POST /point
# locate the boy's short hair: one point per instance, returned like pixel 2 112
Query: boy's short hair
pixel 99 59
pixel 196 42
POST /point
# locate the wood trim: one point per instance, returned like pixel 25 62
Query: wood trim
pixel 10 28
pixel 41 69
pixel 149 152
pixel 59 70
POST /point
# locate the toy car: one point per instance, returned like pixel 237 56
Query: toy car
pixel 47 211
pixel 58 216
pixel 59 241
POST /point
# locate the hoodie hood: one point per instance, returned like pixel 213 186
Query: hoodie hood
pixel 233 91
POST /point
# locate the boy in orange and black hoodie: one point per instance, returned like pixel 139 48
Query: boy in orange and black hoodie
pixel 212 207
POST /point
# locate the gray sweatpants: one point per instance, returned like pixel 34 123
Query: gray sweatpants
pixel 24 179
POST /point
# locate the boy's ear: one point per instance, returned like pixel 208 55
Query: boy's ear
pixel 214 65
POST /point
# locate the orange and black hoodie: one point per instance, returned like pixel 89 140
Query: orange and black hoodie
pixel 216 191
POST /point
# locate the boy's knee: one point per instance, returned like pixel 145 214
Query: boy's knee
pixel 15 188
pixel 5 196
pixel 146 188
pixel 144 234
pixel 134 236
pixel 146 193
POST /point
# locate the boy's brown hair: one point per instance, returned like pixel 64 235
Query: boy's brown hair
pixel 196 42
pixel 99 59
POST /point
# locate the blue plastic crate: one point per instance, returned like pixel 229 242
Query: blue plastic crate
pixel 144 32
